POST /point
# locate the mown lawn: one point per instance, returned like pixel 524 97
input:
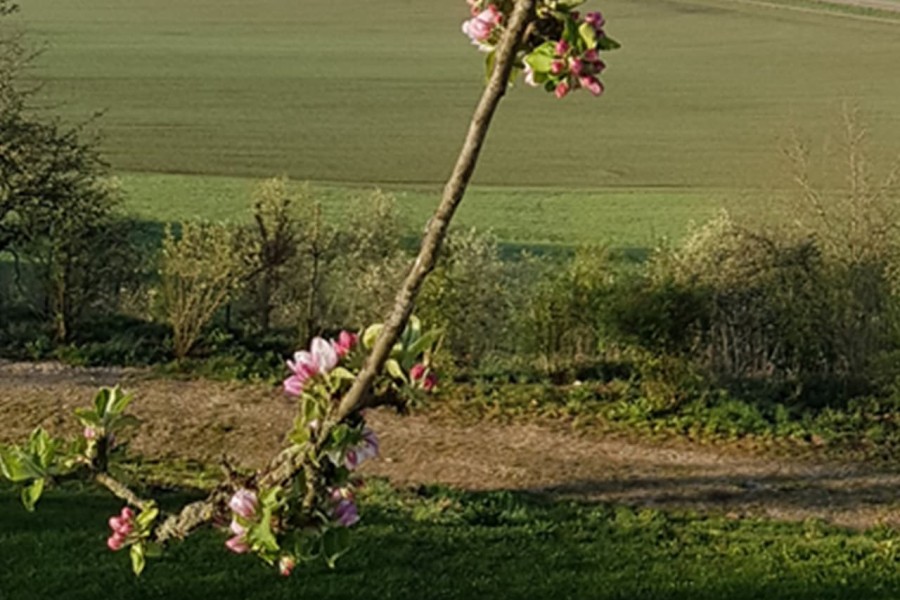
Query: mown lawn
pixel 444 544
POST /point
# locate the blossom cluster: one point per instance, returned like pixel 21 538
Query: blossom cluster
pixel 293 521
pixel 562 49
pixel 122 527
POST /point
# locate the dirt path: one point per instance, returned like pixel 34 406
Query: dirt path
pixel 202 420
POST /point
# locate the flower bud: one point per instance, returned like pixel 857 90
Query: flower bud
pixel 576 66
pixel 557 67
pixel 121 526
pixel 286 564
pixel 346 514
pixel 595 20
pixel 562 48
pixel 345 343
pixel 237 545
pixel 90 433
pixel 592 84
pixel 244 503
pixel 115 542
pixel 237 529
pixel 561 90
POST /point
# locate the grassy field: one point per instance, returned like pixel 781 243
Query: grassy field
pixel 442 544
pixel 356 92
pixel 215 93
pixel 531 218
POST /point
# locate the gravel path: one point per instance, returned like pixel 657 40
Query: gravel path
pixel 202 420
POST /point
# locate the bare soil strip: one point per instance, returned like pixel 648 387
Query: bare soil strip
pixel 203 420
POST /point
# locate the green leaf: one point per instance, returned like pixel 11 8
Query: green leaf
pixel 342 373
pixel 489 64
pixel 588 34
pixel 300 433
pixel 423 343
pixel 125 421
pixel 42 449
pixel 309 409
pixel 153 550
pixel 260 535
pixel 19 467
pixel 395 370
pixel 371 334
pixel 340 434
pixel 32 493
pixel 607 43
pixel 335 543
pixel 101 401
pixel 541 59
pixel 88 417
pixel 6 463
pixel 147 516
pixel 137 558
pixel 570 32
pixel 119 401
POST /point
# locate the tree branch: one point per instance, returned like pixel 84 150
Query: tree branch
pixel 437 227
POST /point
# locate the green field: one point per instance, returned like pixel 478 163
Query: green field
pixel 698 102
pixel 441 544
pixel 363 92
pixel 518 217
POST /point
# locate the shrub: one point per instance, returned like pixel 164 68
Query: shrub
pixel 198 273
pixel 271 242
pixel 467 296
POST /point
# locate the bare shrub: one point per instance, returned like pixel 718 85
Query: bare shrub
pixel 198 273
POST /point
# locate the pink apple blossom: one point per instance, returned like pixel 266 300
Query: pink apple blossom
pixel 237 544
pixel 120 525
pixel 293 385
pixel 576 66
pixel 562 48
pixel 480 27
pixel 115 542
pixel 237 529
pixel 592 84
pixel 562 90
pixel 591 55
pixel 557 67
pixel 595 20
pixel 345 343
pixel 321 358
pixel 244 503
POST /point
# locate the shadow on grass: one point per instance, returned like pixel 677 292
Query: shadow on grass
pixel 810 493
pixel 445 544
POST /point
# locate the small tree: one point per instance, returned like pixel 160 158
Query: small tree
pixel 56 202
